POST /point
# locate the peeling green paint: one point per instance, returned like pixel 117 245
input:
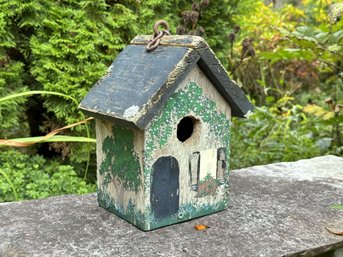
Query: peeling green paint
pixel 130 213
pixel 146 221
pixel 178 106
pixel 121 162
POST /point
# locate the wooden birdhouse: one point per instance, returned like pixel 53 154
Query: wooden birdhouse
pixel 163 131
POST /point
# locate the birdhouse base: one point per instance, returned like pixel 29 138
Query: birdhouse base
pixel 147 222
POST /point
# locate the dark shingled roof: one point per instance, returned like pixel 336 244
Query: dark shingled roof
pixel 138 83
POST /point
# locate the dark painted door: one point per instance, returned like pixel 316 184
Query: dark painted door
pixel 164 196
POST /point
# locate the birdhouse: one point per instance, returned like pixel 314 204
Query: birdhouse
pixel 163 121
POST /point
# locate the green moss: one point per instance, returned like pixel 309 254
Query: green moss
pixel 178 106
pixel 147 221
pixel 130 214
pixel 121 162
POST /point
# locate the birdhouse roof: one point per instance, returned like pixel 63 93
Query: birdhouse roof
pixel 138 83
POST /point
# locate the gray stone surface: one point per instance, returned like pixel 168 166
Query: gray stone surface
pixel 279 209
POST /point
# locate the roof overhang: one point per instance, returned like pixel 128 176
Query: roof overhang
pixel 138 83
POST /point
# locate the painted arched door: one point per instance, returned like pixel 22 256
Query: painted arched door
pixel 164 196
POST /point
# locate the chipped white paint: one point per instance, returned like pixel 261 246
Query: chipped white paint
pixel 193 166
pixel 174 75
pixel 208 163
pixel 131 111
pixel 108 72
pixel 198 76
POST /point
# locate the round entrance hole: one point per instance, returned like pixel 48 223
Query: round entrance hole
pixel 185 128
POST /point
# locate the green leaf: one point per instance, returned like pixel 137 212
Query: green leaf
pixel 334 48
pixel 338 35
pixel 57 138
pixel 337 206
pixel 29 93
pixel 9 181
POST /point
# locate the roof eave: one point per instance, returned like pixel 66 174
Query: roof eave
pixel 112 118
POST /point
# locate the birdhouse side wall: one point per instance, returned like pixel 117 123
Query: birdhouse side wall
pixel 120 185
pixel 192 172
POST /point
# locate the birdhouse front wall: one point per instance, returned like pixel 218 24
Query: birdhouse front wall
pixel 186 154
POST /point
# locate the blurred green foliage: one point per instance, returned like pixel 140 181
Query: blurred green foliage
pixel 271 135
pixel 32 177
pixel 65 47
pixel 295 76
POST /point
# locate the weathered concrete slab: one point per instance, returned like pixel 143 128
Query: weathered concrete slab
pixel 276 210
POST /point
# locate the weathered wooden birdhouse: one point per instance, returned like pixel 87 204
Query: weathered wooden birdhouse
pixel 163 131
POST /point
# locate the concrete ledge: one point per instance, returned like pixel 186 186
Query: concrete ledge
pixel 276 210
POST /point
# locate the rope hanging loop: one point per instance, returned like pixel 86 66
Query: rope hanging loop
pixel 153 44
